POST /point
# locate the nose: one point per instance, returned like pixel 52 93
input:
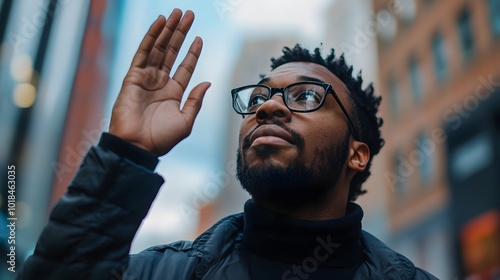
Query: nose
pixel 273 108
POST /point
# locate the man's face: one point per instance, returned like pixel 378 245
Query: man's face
pixel 288 157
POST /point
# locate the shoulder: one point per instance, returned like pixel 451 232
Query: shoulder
pixel 187 257
pixel 381 262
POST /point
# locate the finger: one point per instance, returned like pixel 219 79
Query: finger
pixel 160 46
pixel 193 103
pixel 185 70
pixel 141 56
pixel 177 39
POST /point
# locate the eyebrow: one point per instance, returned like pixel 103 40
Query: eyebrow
pixel 300 79
pixel 309 79
pixel 263 81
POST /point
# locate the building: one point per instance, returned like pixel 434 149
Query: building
pixel 54 57
pixel 438 70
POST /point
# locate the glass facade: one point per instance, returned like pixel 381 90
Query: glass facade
pixel 40 51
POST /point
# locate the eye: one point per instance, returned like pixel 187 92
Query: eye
pixel 256 100
pixel 308 95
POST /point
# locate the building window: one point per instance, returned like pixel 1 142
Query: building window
pixel 439 50
pixel 402 172
pixel 408 9
pixel 472 156
pixel 466 37
pixel 495 16
pixel 5 8
pixel 394 98
pixel 390 30
pixel 424 156
pixel 415 80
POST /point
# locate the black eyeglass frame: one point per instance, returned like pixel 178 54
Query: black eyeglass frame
pixel 284 90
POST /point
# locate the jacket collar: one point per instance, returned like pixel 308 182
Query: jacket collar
pixel 218 242
pixel 381 260
pixel 223 238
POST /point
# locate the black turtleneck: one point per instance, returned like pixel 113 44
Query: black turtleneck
pixel 279 247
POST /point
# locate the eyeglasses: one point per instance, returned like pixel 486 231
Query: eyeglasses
pixel 302 97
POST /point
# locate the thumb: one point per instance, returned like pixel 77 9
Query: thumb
pixel 193 103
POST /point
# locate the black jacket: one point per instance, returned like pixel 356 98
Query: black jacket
pixel 91 229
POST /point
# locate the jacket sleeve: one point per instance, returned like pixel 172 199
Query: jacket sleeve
pixel 91 228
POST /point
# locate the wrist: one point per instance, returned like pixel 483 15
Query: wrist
pixel 128 150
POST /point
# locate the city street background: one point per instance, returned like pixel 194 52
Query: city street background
pixel 434 193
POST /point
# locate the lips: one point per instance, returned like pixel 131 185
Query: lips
pixel 270 131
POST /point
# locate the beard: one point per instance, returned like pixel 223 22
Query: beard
pixel 297 183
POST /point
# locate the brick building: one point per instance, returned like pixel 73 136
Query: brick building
pixel 439 75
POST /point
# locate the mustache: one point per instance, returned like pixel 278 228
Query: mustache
pixel 297 137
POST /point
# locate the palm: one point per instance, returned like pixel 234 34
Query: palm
pixel 147 111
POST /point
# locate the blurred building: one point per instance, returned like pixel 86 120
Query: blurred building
pixel 439 76
pixel 54 59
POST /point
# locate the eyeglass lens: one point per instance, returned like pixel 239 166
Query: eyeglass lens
pixel 301 97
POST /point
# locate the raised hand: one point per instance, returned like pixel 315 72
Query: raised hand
pixel 147 112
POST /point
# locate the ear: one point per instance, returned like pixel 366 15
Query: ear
pixel 359 155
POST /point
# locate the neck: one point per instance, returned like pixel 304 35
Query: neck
pixel 294 240
pixel 327 207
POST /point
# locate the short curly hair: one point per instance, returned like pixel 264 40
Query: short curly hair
pixel 365 104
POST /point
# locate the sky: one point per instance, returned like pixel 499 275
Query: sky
pixel 223 25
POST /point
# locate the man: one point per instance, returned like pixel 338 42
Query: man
pixel 306 142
